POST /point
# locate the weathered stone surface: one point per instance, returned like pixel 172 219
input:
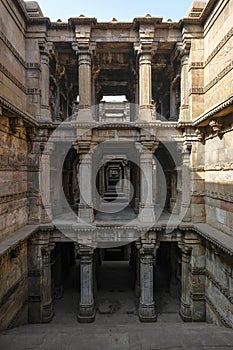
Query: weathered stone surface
pixel 167 154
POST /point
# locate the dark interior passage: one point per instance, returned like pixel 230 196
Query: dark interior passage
pixel 167 278
pixel 115 283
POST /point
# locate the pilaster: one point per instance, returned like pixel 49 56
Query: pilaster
pixel 186 181
pixel 45 76
pixel 184 105
pixel 40 308
pixel 193 279
pixel 185 310
pixel 45 183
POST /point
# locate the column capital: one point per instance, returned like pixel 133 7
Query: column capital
pixel 82 147
pixel 186 249
pixel 146 248
pixel 48 148
pixel 84 57
pixel 183 50
pixel 85 250
pixel 43 47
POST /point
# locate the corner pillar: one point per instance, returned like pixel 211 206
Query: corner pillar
pixel 184 107
pixel 45 76
pixel 45 183
pixel 186 178
pixel 185 310
pixel 40 307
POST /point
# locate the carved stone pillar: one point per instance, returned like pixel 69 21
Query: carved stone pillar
pixel 86 311
pixel 33 178
pixel 40 309
pixel 45 183
pixel 145 87
pixel 47 306
pixel 193 279
pixel 137 283
pixel 85 210
pixel 45 76
pixel 184 107
pixel 198 277
pixel 146 209
pixel 185 310
pixel 147 305
pixel 85 86
pixel 154 181
pixel 186 178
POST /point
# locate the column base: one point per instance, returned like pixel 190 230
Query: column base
pixel 86 314
pixel 145 114
pixel 47 312
pixel 147 214
pixel 185 312
pixel 147 313
pixel 185 213
pixel 85 114
pixel 85 214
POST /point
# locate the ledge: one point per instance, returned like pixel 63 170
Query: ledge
pixel 218 110
pixel 220 239
pixel 14 239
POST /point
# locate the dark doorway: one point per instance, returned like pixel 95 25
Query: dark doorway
pixel 115 284
pixel 167 278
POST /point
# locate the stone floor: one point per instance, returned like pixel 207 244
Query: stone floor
pixel 117 326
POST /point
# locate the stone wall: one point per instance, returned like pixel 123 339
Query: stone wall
pixel 13 180
pixel 218 43
pixel 14 290
pixel 218 182
pixel 12 54
pixel 219 287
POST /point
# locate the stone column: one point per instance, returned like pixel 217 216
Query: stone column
pixel 86 312
pixel 198 277
pixel 185 310
pixel 45 78
pixel 33 178
pixel 45 183
pixel 40 308
pixel 137 266
pixel 47 305
pixel 85 210
pixel 145 87
pixel 85 86
pixel 147 305
pixel 184 103
pixel 186 191
pixel 154 187
pixel 146 209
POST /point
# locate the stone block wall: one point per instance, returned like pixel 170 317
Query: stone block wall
pixel 14 290
pixel 218 182
pixel 13 178
pixel 12 54
pixel 219 287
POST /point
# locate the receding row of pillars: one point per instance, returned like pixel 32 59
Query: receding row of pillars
pixel 192 281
